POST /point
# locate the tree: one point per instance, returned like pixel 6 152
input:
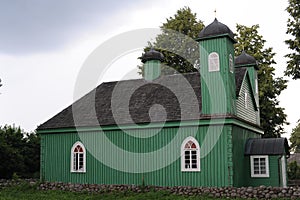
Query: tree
pixel 174 46
pixel 272 116
pixel 19 152
pixel 293 170
pixel 295 138
pixel 293 24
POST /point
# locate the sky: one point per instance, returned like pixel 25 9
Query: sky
pixel 45 44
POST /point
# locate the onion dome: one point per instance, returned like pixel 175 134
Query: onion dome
pixel 152 55
pixel 245 59
pixel 214 29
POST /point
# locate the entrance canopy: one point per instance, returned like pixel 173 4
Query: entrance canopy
pixel 267 146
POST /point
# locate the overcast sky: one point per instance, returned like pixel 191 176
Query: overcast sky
pixel 44 43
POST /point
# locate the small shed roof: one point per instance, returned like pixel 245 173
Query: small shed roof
pixel 267 146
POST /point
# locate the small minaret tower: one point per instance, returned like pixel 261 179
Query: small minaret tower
pixel 152 64
pixel 249 62
pixel 218 89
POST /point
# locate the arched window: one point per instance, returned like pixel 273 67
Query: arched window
pixel 190 155
pixel 231 68
pixel 78 158
pixel 213 62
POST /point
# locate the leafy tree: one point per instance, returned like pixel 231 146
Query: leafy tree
pixel 295 138
pixel 293 170
pixel 19 152
pixel 272 116
pixel 293 24
pixel 175 46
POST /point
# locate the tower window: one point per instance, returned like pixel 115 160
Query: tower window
pixel 246 100
pixel 230 63
pixel 213 62
pixel 256 86
pixel 190 155
pixel 78 158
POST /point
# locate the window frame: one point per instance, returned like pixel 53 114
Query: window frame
pixel 213 68
pixel 246 100
pixel 231 65
pixel 83 170
pixel 183 149
pixel 260 175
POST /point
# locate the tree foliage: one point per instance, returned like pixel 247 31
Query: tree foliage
pixel 175 45
pixel 293 171
pixel 272 116
pixel 293 24
pixel 295 138
pixel 19 152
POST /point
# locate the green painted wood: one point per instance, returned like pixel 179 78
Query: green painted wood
pixel 152 70
pixel 213 121
pixel 248 114
pixel 274 172
pixel 214 165
pixel 217 88
pixel 241 163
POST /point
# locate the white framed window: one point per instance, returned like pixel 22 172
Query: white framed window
pixel 78 158
pixel 246 100
pixel 213 62
pixel 190 155
pixel 259 166
pixel 231 63
pixel 256 86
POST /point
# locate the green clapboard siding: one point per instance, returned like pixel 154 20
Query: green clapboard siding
pixel 241 163
pixel 249 113
pixel 213 140
pixel 274 172
pixel 218 87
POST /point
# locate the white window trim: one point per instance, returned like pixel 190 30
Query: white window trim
pixel 256 86
pixel 214 69
pixel 183 169
pixel 72 158
pixel 231 65
pixel 252 167
pixel 246 99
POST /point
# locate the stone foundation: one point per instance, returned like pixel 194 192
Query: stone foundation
pixel 261 192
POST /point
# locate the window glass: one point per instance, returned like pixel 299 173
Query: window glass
pixel 78 158
pixel 231 63
pixel 190 160
pixel 213 62
pixel 259 166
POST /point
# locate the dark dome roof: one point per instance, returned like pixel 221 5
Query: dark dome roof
pixel 214 29
pixel 152 55
pixel 245 59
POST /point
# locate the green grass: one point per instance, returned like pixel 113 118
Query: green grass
pixel 25 191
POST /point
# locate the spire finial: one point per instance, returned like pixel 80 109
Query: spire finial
pixel 215 11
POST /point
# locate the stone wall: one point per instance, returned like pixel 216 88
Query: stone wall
pixel 243 192
pixel 224 192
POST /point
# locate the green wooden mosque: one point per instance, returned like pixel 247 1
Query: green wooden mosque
pixel 194 129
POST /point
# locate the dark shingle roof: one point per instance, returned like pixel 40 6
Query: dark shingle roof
pixel 239 77
pixel 136 101
pixel 152 55
pixel 245 59
pixel 267 146
pixel 214 29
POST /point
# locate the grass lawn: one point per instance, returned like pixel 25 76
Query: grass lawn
pixel 25 191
